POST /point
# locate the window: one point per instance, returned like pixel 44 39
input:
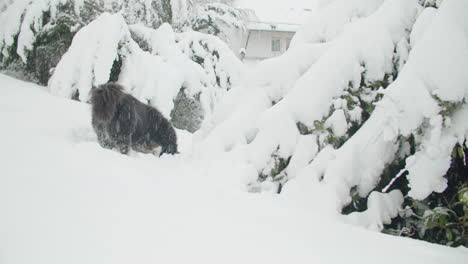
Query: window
pixel 276 44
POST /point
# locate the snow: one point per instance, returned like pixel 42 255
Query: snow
pixel 423 22
pixel 362 158
pixel 180 11
pixel 89 59
pixel 337 122
pixel 25 19
pixel 305 151
pixel 259 120
pixel 308 87
pixel 155 76
pixel 150 78
pixel 64 199
pixel 276 26
pixel 428 166
pixel 10 22
pixel 328 21
pixel 374 217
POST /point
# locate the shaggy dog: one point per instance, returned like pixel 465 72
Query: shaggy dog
pixel 122 122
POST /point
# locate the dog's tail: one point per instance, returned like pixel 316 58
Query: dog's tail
pixel 104 100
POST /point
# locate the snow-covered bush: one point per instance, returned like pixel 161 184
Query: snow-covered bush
pixel 338 99
pixel 223 21
pixel 368 100
pixel 441 217
pixel 35 34
pixel 90 58
pixel 208 66
pixel 182 74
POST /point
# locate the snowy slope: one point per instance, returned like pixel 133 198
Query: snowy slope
pixel 64 199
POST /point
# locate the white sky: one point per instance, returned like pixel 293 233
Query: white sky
pixel 291 11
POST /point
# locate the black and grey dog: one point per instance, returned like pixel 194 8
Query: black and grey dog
pixel 122 122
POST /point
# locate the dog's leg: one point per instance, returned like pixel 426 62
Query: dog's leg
pixel 102 135
pixel 124 128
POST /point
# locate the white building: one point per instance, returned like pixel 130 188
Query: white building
pixel 268 39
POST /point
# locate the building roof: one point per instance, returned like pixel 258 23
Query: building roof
pixel 290 11
pixel 272 26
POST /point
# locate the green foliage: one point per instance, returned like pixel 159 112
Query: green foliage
pixel 361 96
pixel 206 25
pixel 55 35
pixel 303 129
pixel 164 10
pixel 115 70
pixel 430 3
pixel 12 55
pixel 442 217
pixel 211 16
pixel 49 47
pixel 275 171
pixel 358 203
pixel 448 108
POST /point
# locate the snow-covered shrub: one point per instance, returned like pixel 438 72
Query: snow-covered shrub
pixel 218 61
pixel 441 217
pixel 333 96
pixel 422 133
pixel 89 60
pixel 369 98
pixel 35 34
pixel 208 66
pixel 223 21
pixel 160 67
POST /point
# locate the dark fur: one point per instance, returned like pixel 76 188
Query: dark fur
pixel 122 122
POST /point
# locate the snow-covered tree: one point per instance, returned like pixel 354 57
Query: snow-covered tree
pixel 223 21
pixel 39 33
pixel 360 101
pixel 182 74
pixel 35 34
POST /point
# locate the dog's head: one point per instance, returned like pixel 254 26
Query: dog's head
pixel 104 100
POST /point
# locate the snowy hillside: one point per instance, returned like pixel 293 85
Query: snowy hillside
pixel 64 199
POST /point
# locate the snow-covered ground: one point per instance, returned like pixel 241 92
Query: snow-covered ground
pixel 64 199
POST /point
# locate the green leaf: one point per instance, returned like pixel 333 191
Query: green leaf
pixel 448 234
pixel 463 195
pixel 454 153
pixel 460 152
pixel 442 221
